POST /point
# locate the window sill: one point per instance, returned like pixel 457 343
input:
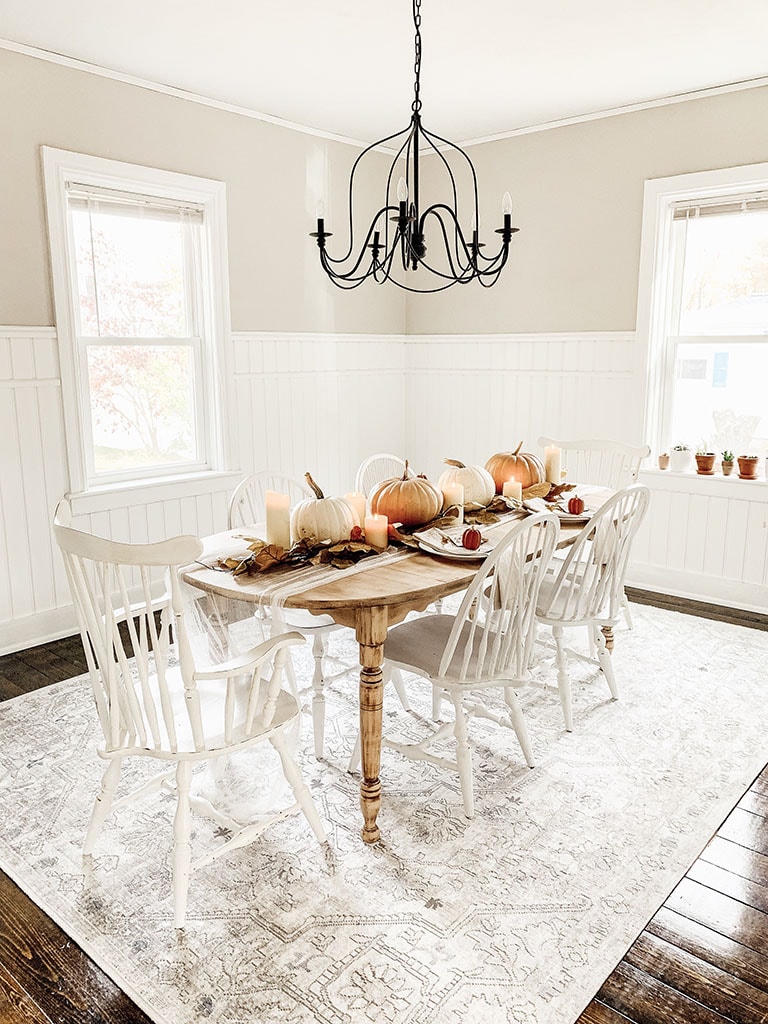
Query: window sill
pixel 692 482
pixel 121 495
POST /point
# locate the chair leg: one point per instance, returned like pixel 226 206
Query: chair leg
pixel 299 786
pixel 625 610
pixel 319 650
pixel 354 758
pixel 519 724
pixel 182 851
pixel 437 703
pixel 102 804
pixel 399 685
pixel 463 756
pixel 563 682
pixel 606 662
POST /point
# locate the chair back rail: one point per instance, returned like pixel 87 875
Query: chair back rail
pixel 376 468
pixel 590 582
pixel 500 643
pixel 595 461
pixel 248 502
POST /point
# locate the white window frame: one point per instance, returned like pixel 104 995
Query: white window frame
pixel 212 419
pixel 657 274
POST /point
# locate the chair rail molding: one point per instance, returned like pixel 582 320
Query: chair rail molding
pixel 322 402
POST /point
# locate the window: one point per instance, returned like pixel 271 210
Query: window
pixel 141 302
pixel 704 309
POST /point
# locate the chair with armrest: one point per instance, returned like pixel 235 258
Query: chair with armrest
pixel 589 585
pixel 247 508
pixel 468 653
pixel 155 701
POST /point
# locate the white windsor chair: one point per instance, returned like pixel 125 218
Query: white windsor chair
pixel 477 652
pixel 376 468
pixel 605 463
pixel 589 586
pixel 153 701
pixel 247 506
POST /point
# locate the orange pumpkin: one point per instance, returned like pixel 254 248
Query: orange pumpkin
pixel 411 501
pixel 516 465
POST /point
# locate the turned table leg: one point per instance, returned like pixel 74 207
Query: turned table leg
pixel 371 634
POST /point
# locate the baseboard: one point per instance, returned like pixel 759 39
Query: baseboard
pixel 701 609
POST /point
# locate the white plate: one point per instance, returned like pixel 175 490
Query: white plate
pixel 431 542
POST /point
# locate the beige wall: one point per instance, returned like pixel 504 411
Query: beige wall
pixel 578 194
pixel 274 177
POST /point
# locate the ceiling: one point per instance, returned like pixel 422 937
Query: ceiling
pixel 346 66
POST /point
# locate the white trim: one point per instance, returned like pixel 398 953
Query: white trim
pixel 59 166
pixel 697 586
pixel 717 486
pixel 232 108
pixel 656 268
pixel 14 331
pixel 180 94
pixel 627 108
pixel 123 495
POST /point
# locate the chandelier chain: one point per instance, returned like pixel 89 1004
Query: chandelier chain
pixel 416 105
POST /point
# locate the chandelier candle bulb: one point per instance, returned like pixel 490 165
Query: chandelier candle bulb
pixel 513 489
pixel 278 508
pixel 357 501
pixel 552 464
pixel 376 527
pixel 453 494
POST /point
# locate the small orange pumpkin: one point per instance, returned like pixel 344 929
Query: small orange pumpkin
pixel 516 465
pixel 411 501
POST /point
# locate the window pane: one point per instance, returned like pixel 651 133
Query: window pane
pixel 720 397
pixel 130 275
pixel 725 281
pixel 142 406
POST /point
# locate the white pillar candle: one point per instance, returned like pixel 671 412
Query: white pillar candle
pixel 552 457
pixel 278 508
pixel 357 501
pixel 376 531
pixel 513 489
pixel 453 494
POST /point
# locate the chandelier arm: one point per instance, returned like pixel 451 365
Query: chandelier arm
pixel 366 244
pixel 467 271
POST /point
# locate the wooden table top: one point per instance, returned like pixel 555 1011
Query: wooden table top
pixel 415 576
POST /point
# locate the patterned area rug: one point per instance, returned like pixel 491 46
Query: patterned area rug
pixel 515 916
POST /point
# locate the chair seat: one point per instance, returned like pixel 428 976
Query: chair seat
pixel 418 645
pixel 299 618
pixel 211 694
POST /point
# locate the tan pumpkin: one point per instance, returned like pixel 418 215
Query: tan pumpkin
pixel 407 500
pixel 478 484
pixel 319 518
pixel 516 465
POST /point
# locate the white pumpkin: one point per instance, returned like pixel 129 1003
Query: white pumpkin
pixel 477 482
pixel 319 518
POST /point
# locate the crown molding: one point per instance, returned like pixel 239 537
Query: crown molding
pixel 232 108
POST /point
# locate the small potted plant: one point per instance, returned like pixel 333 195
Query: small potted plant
pixel 680 458
pixel 748 467
pixel 727 464
pixel 705 461
pixel 664 460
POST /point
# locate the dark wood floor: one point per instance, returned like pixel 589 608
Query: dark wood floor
pixel 702 959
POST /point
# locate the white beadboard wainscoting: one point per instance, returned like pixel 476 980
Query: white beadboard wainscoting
pixel 704 538
pixel 322 403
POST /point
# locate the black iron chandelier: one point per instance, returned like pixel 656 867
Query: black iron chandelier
pixel 395 247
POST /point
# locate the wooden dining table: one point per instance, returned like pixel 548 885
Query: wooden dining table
pixel 369 602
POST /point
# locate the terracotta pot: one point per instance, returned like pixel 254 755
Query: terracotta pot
pixel 663 462
pixel 748 467
pixel 705 464
pixel 727 467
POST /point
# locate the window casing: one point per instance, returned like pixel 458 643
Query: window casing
pixel 703 308
pixel 142 313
